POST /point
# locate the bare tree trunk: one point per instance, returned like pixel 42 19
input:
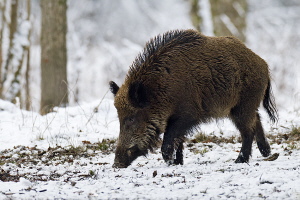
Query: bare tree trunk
pixel 12 31
pixel 18 60
pixel 1 40
pixel 229 17
pixel 54 90
pixel 27 83
pixel 195 14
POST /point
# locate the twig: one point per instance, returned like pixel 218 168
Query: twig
pixel 96 108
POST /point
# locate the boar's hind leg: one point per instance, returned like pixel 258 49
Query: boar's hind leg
pixel 261 139
pixel 243 120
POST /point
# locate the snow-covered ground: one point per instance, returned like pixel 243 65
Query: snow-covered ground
pixel 34 158
pixel 209 171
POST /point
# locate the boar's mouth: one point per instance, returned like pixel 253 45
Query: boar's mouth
pixel 150 141
pixel 124 160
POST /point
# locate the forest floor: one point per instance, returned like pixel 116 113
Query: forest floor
pixel 68 155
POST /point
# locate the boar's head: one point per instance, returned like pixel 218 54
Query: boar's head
pixel 139 123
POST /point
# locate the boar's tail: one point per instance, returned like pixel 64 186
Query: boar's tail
pixel 269 104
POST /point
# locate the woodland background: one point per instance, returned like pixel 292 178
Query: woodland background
pixel 64 53
pixel 58 53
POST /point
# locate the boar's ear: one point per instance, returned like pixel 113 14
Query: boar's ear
pixel 138 95
pixel 114 88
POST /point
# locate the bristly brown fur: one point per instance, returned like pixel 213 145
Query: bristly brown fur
pixel 160 44
pixel 182 79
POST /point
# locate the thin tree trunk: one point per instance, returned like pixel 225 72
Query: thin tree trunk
pixel 229 17
pixel 54 90
pixel 27 83
pixel 1 40
pixel 12 31
pixel 194 14
pixel 14 90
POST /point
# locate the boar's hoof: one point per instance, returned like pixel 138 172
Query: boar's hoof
pixel 174 162
pixel 170 162
pixel 241 159
pixel 265 152
pixel 168 159
pixel 119 165
pixel 264 149
pixel 178 161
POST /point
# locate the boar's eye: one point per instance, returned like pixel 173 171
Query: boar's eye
pixel 130 120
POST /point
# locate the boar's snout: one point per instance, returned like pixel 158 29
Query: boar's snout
pixel 122 159
pixel 125 156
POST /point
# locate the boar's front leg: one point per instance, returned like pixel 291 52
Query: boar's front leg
pixel 179 154
pixel 174 138
pixel 170 144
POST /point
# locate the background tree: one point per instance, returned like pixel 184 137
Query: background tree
pixel 195 14
pixel 2 7
pixel 54 91
pixel 229 17
pixel 27 72
pixel 15 29
pixel 12 29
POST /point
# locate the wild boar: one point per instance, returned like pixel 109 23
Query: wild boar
pixel 182 79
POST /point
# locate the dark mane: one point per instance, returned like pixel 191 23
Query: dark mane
pixel 160 44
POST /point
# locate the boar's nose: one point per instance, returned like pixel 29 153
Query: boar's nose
pixel 119 165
